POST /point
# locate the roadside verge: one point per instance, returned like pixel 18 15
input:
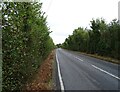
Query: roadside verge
pixel 108 59
pixel 43 79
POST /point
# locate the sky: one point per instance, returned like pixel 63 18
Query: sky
pixel 63 16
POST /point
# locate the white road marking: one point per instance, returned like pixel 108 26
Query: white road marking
pixel 59 74
pixel 68 54
pixel 78 58
pixel 106 72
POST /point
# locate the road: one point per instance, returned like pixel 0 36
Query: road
pixel 79 72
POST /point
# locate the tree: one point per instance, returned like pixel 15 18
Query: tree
pixel 78 40
pixel 102 39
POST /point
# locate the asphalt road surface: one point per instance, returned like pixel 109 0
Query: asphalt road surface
pixel 79 72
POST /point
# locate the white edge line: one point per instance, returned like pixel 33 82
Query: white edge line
pixel 106 72
pixel 59 74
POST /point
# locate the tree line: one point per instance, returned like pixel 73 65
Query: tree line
pixel 102 38
pixel 25 42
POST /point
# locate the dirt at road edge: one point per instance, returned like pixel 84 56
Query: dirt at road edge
pixel 43 79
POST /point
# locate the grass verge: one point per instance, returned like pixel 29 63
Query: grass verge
pixel 108 59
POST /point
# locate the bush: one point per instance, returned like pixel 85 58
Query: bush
pixel 26 42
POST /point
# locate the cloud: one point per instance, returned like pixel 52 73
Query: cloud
pixel 66 15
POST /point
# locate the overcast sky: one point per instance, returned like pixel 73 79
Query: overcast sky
pixel 66 15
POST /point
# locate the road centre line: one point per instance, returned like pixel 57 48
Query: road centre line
pixel 78 58
pixel 59 74
pixel 106 72
pixel 74 56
